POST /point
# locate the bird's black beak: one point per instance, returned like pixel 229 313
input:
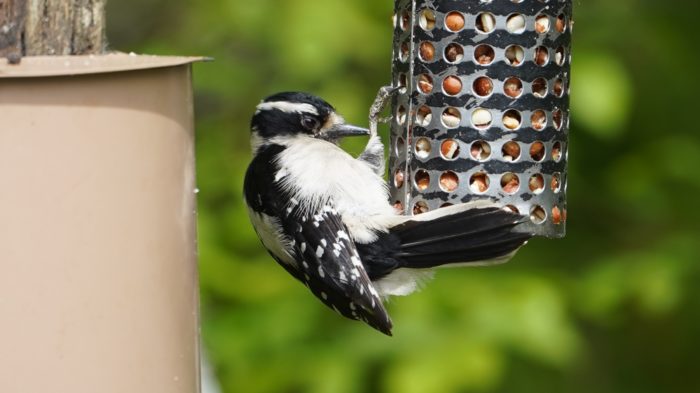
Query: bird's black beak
pixel 342 130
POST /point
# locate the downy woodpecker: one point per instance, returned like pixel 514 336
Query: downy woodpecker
pixel 325 216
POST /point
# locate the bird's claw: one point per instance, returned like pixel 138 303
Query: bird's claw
pixel 383 97
pixel 373 155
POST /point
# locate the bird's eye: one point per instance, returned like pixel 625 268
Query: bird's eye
pixel 310 123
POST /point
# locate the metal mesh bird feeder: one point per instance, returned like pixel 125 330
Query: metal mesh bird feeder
pixel 483 112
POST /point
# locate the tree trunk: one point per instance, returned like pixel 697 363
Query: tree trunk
pixel 51 27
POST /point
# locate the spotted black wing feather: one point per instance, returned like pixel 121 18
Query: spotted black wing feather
pixel 331 266
pixel 336 275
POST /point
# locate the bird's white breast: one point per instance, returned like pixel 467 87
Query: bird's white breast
pixel 317 171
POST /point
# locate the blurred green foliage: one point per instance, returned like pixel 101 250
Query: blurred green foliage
pixel 614 307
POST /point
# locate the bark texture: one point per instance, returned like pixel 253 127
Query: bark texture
pixel 51 27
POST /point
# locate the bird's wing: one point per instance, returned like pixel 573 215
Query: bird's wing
pixel 330 265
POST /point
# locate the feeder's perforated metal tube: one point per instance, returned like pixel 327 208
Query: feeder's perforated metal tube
pixel 484 109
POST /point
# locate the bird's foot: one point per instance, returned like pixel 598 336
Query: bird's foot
pixel 373 155
pixel 383 97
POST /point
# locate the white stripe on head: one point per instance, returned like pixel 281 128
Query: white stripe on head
pixel 287 107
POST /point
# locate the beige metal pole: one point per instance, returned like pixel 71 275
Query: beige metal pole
pixel 98 274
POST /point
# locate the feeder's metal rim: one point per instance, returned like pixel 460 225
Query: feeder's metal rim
pixel 48 66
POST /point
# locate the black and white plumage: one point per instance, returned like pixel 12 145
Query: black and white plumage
pixel 325 216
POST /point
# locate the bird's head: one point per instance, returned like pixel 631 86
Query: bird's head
pixel 292 115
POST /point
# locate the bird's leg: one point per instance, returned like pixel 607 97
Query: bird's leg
pixel 383 96
pixel 373 155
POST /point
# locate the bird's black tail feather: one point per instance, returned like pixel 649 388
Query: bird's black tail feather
pixel 471 235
